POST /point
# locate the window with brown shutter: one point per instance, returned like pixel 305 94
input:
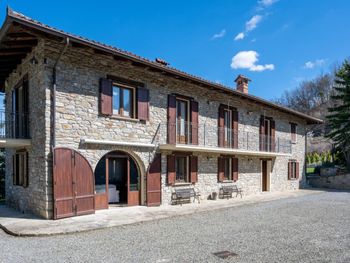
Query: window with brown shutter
pixel 193 169
pixel 20 168
pixel 106 96
pixel 171 169
pixel 194 122
pixel 227 168
pixel 171 119
pixel 293 170
pixel 228 127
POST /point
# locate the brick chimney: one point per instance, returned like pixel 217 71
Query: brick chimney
pixel 242 83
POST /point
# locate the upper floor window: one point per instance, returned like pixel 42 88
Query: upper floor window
pixel 182 123
pixel 293 132
pixel 123 101
pixel 20 168
pixel 228 127
pixel 19 124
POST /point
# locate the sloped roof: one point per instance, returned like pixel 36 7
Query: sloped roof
pixel 16 41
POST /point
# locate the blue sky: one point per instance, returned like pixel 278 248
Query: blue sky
pixel 284 41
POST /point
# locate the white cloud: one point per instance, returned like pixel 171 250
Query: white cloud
pixel 221 34
pixel 248 60
pixel 313 64
pixel 253 22
pixel 266 3
pixel 239 36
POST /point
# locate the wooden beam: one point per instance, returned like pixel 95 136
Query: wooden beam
pixel 19 43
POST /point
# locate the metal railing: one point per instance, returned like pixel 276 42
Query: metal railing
pixel 209 135
pixel 14 125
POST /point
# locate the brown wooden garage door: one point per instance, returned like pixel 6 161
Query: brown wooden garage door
pixel 73 184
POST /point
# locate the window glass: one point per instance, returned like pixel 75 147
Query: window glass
pixel 127 103
pixel 181 169
pixel 116 100
pixel 227 168
pixel 228 126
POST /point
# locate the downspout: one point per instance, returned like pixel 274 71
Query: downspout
pixel 53 93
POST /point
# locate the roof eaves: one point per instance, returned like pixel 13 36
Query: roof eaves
pixel 18 17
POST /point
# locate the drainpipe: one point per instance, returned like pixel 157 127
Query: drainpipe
pixel 53 94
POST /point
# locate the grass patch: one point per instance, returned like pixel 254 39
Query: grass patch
pixel 310 170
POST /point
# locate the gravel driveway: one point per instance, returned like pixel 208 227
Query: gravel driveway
pixel 311 228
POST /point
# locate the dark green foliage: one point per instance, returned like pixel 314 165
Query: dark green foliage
pixel 339 114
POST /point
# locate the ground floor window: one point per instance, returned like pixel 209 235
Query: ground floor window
pixel 20 168
pixel 293 170
pixel 181 169
pixel 227 168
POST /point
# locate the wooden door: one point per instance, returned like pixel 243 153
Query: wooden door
pixel 264 175
pixel 73 184
pixel 63 184
pixel 133 183
pixel 101 195
pixel 154 182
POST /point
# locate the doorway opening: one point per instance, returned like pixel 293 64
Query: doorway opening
pixel 117 181
pixel 265 175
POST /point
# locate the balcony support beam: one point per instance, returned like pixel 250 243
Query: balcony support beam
pixel 218 150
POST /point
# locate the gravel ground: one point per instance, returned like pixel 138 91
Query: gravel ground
pixel 312 228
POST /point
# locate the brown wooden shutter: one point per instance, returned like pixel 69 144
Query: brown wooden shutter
pixel 171 169
pixel 235 128
pixel 262 132
pixel 194 168
pixel 106 96
pixel 143 104
pixel 290 170
pixel 221 168
pixel 273 135
pixel 296 170
pixel 194 122
pixel 171 119
pixel 234 169
pixel 221 124
pixel 154 182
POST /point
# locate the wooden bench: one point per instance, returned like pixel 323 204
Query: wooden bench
pixel 184 195
pixel 228 190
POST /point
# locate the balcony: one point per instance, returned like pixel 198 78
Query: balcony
pixel 182 136
pixel 14 130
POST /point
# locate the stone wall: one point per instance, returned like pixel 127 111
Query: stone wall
pixel 339 182
pixel 77 117
pixel 35 197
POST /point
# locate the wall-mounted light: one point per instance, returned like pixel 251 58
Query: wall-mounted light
pixel 249 113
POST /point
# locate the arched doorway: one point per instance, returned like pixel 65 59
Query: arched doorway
pixel 117 180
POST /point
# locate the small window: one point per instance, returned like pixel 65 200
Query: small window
pixel 20 168
pixel 228 168
pixel 293 170
pixel 181 168
pixel 123 101
pixel 293 132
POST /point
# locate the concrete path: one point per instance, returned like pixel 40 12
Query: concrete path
pixel 17 224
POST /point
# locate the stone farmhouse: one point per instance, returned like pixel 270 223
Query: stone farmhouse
pixel 87 126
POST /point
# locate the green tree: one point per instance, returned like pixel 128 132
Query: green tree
pixel 339 114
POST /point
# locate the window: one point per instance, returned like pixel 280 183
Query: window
pixel 182 126
pixel 228 168
pixel 19 127
pixel 123 101
pixel 293 170
pixel 20 168
pixel 228 127
pixel 293 132
pixel 181 169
